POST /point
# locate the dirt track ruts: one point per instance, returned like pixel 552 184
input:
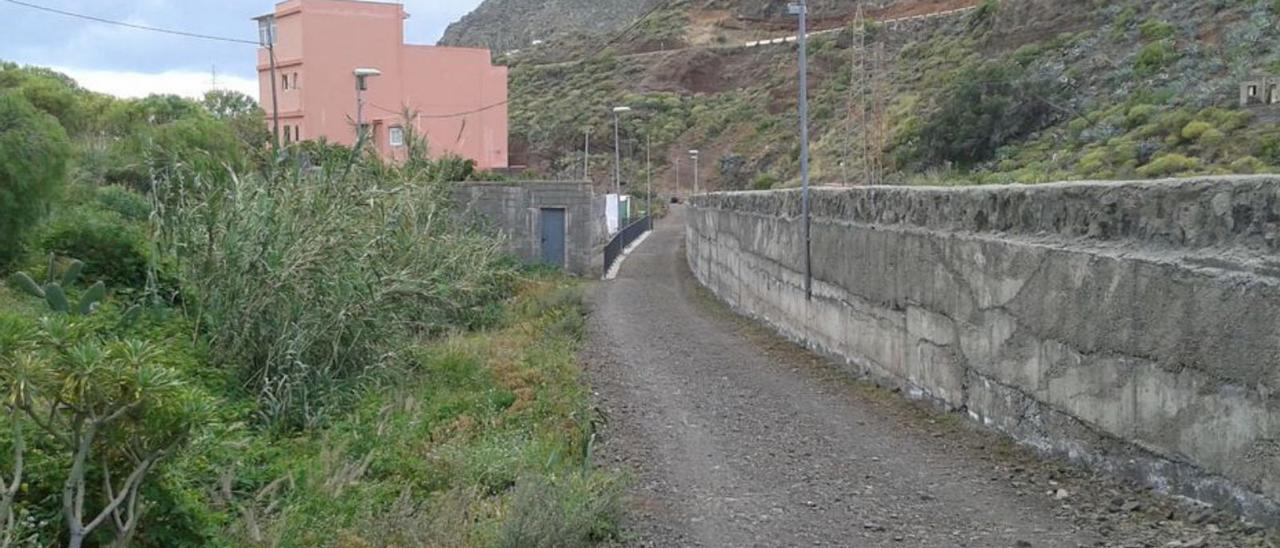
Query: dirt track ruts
pixel 734 437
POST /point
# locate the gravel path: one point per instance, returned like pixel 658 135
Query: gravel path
pixel 734 437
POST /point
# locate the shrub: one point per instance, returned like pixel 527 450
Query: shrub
pixel 1169 164
pixel 1154 57
pixel 127 204
pixel 94 417
pixel 1194 130
pixel 33 162
pixel 1139 115
pixel 983 109
pixel 764 181
pixel 1212 138
pixel 1268 148
pixel 1248 165
pixel 113 251
pixel 1156 30
pixel 308 283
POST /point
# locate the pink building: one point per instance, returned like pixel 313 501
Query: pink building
pixel 459 95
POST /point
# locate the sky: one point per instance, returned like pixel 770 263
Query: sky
pixel 135 63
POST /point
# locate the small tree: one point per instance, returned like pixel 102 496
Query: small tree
pixel 111 406
pixel 33 162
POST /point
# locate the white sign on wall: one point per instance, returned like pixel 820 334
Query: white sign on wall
pixel 611 212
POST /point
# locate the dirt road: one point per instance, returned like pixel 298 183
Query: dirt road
pixel 734 437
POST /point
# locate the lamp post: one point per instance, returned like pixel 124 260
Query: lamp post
pixel 648 178
pixel 586 156
pixel 677 177
pixel 617 149
pixel 362 84
pixel 694 155
pixel 802 11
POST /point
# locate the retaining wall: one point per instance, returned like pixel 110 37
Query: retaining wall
pixel 1134 327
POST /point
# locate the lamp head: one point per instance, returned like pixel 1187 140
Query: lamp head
pixel 363 75
pixel 620 110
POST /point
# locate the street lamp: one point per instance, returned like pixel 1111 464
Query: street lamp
pixel 362 84
pixel 617 149
pixel 694 155
pixel 802 11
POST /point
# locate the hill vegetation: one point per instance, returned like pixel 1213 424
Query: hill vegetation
pixel 1009 91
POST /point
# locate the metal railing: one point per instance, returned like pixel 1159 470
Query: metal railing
pixel 624 238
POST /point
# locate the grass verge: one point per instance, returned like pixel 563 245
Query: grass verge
pixel 484 439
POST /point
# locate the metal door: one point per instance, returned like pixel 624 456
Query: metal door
pixel 553 236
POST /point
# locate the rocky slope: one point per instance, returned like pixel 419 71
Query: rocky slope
pixel 503 25
pixel 1008 91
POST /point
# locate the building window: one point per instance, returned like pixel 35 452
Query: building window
pixel 284 81
pixel 295 81
pixel 1253 91
pixel 297 133
pixel 395 136
pixel 288 135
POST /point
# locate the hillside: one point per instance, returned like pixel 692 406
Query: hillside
pixel 503 25
pixel 1010 91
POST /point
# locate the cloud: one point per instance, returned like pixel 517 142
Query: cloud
pixel 141 84
pixel 45 39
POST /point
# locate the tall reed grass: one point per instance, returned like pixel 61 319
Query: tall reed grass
pixel 309 282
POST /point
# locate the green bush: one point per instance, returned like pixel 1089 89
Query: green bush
pixel 128 204
pixel 1139 115
pixel 33 163
pixel 983 109
pixel 764 181
pixel 1212 138
pixel 1169 164
pixel 114 251
pixel 82 402
pixel 1154 57
pixel 1248 165
pixel 1156 30
pixel 1194 130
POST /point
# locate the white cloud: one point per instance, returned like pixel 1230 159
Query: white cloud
pixel 141 84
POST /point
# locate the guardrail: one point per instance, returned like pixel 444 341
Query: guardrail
pixel 623 239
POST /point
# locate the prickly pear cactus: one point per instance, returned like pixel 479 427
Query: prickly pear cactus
pixel 53 294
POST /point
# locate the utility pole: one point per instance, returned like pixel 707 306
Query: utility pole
pixel 694 154
pixel 362 84
pixel 677 176
pixel 803 41
pixel 275 97
pixel 617 150
pixel 648 178
pixel 586 157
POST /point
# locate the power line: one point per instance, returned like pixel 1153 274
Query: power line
pixel 439 116
pixel 622 34
pixel 131 25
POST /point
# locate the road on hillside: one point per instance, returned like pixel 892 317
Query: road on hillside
pixel 734 437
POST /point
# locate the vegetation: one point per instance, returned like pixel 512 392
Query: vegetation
pixel 33 162
pixel 204 343
pixel 966 100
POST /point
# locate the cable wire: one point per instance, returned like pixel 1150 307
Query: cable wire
pixel 441 116
pixel 131 25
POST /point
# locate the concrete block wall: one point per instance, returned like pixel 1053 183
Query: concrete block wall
pixel 1134 327
pixel 514 210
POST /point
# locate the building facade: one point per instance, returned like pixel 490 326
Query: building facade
pixel 456 97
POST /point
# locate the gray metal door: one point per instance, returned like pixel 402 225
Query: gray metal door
pixel 553 236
